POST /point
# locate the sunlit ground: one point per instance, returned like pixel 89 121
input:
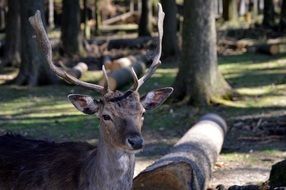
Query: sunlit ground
pixel 45 113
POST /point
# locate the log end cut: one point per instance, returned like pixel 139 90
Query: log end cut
pixel 174 177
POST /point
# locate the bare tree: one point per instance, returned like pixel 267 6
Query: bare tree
pixel 198 75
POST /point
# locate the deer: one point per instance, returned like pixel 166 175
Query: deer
pixel 27 164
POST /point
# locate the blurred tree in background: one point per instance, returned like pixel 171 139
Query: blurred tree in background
pixel 268 13
pixel 230 10
pixel 170 43
pixel 33 69
pixel 145 23
pixel 198 76
pixel 12 32
pixel 70 31
pixel 283 16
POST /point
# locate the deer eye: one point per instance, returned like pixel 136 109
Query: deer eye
pixel 106 117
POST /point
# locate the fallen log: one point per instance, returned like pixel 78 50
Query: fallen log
pixel 120 74
pixel 123 62
pixel 76 71
pixel 123 76
pixel 139 42
pixel 269 49
pixel 118 18
pixel 189 163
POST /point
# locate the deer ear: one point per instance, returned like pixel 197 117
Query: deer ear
pixel 155 98
pixel 83 103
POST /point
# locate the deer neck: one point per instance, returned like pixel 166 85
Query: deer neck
pixel 109 168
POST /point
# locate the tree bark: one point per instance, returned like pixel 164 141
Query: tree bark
pixel 230 10
pixel 283 16
pixel 169 43
pixel 145 23
pixel 198 75
pixel 70 30
pixel 12 41
pixel 268 14
pixel 189 163
pixel 33 70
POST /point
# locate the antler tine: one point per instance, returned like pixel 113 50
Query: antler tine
pixel 45 46
pixel 135 79
pixel 156 61
pixel 106 85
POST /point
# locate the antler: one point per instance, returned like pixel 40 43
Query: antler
pixel 45 45
pixel 156 61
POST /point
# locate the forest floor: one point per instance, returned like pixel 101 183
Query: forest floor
pixel 256 119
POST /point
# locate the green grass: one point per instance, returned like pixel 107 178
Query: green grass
pixel 44 112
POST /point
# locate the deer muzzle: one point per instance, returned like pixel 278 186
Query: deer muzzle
pixel 135 142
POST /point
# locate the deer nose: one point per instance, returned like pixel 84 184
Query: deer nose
pixel 135 142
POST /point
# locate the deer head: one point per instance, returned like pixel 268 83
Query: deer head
pixel 121 114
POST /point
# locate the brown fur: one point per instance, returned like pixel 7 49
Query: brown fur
pixel 33 164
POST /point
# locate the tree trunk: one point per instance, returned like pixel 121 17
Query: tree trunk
pixel 145 23
pixel 230 10
pixel 12 41
pixel 242 8
pixel 2 18
pixel 283 16
pixel 85 20
pixel 70 30
pixel 189 163
pixel 97 17
pixel 169 43
pixel 198 75
pixel 33 70
pixel 268 14
pixel 254 9
pixel 260 6
pixel 51 14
